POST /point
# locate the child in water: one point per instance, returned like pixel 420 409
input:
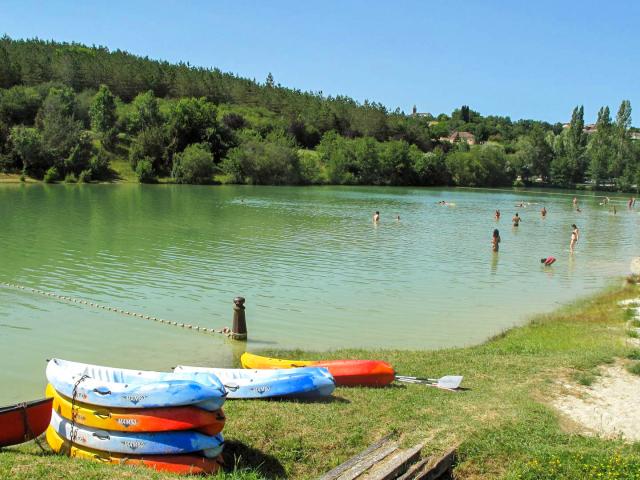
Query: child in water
pixel 497 215
pixel 547 261
pixel 495 240
pixel 575 235
pixel 376 217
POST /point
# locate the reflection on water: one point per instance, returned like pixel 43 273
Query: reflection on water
pixel 495 256
pixel 315 271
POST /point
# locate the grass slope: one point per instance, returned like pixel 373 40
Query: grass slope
pixel 503 424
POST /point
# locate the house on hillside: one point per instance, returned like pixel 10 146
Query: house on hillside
pixel 634 135
pixel 588 129
pixel 456 136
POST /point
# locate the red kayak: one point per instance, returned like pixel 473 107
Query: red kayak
pixel 24 421
pixel 368 373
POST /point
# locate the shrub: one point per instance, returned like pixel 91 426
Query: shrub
pixel 85 176
pixel 261 162
pixel 145 172
pixel 71 178
pixel 51 175
pixel 99 165
pixel 193 165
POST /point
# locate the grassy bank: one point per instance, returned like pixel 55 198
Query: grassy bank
pixel 504 425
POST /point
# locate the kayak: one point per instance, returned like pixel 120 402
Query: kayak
pixel 121 388
pixel 181 464
pixel 24 421
pixel 155 443
pixel 310 382
pixel 370 373
pixel 136 419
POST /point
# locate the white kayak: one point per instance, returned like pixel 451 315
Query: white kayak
pixel 308 382
pixel 121 388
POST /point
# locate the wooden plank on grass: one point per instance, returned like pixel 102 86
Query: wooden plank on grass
pixel 395 464
pixel 439 467
pixel 361 462
pixel 417 468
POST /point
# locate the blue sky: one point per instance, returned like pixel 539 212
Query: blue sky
pixel 534 59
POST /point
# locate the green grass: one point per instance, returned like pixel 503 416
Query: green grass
pixel 634 368
pixel 123 170
pixel 503 422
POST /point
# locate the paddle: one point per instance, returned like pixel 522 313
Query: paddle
pixel 450 382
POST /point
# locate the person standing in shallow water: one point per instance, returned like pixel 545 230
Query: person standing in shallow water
pixel 516 220
pixel 575 235
pixel 376 217
pixel 543 212
pixel 495 240
pixel 497 215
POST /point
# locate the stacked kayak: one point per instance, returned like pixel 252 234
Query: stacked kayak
pixel 166 421
pixel 24 421
pixel 370 373
pixel 304 383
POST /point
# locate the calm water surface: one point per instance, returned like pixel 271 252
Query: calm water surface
pixel 316 272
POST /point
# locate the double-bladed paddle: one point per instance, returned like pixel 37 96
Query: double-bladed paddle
pixel 449 382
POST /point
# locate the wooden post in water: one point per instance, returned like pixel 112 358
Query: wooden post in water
pixel 239 327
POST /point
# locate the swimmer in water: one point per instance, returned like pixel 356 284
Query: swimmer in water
pixel 397 218
pixel 575 236
pixel 497 215
pixel 547 261
pixel 543 212
pixel 376 217
pixel 516 220
pixel 495 240
pixel 575 202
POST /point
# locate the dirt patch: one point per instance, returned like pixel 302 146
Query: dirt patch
pixel 609 408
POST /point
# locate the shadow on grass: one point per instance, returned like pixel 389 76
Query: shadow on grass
pixel 238 455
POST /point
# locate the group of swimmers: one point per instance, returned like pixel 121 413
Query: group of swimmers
pixel 575 233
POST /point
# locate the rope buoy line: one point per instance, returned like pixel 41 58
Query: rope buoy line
pixel 223 331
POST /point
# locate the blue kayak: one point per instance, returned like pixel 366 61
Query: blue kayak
pixel 308 382
pixel 156 443
pixel 121 388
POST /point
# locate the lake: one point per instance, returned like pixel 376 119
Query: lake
pixel 316 272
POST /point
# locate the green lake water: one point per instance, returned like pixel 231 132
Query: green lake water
pixel 316 272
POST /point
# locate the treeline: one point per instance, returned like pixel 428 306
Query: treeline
pixel 68 111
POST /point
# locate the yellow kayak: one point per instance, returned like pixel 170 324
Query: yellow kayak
pixel 256 362
pixel 372 373
pixel 137 419
pixel 182 464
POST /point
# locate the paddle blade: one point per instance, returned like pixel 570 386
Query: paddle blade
pixel 450 381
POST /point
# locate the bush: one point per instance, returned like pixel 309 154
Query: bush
pixel 99 165
pixel 51 175
pixel 85 176
pixel 145 172
pixel 71 178
pixel 261 162
pixel 193 165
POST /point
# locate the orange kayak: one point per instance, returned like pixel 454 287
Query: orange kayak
pixel 138 419
pixel 190 464
pixel 369 373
